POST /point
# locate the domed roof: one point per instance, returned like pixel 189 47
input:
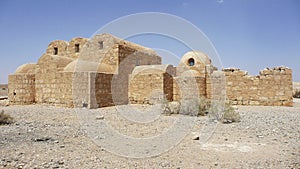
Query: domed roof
pixel 28 68
pixel 153 69
pixel 80 65
pixel 60 61
pixel 106 68
pixel 191 73
pixel 199 57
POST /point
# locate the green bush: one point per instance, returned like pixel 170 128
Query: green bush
pixel 5 119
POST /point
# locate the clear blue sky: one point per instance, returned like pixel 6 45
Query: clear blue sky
pixel 248 34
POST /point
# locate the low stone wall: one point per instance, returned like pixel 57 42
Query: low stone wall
pixel 185 87
pixel 145 87
pixel 273 87
pixel 3 90
pixel 21 89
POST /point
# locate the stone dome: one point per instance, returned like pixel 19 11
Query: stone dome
pixel 28 68
pixel 153 69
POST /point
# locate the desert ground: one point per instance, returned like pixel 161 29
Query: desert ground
pixel 52 137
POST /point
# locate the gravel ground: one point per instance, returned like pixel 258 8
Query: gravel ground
pixel 52 137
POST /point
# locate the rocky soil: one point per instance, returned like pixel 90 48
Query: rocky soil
pixel 52 137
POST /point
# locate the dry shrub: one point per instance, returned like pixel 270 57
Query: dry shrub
pixel 296 94
pixel 230 115
pixel 170 107
pixel 200 107
pixel 5 119
pixel 192 107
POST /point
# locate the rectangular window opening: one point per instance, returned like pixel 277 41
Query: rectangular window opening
pixel 76 48
pixel 100 44
pixel 55 51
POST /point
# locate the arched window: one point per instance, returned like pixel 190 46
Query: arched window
pixel 191 62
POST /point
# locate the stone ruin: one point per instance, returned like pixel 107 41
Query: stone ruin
pixel 3 91
pixel 107 71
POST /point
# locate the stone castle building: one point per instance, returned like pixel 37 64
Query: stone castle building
pixel 106 71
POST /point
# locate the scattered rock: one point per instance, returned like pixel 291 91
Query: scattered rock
pixel 195 136
pixel 57 140
pixel 99 117
pixel 42 139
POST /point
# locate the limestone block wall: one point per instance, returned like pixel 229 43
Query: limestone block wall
pixel 151 84
pixel 168 86
pixel 81 89
pixel 21 89
pixel 75 46
pixel 3 90
pixel 103 91
pixel 129 58
pixel 46 75
pixel 57 47
pixel 216 86
pixel 62 89
pixel 99 46
pixel 188 87
pixel 143 88
pixel 273 87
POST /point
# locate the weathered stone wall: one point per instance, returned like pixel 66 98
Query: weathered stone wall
pixel 57 47
pixel 143 88
pixel 82 89
pixel 47 73
pixel 188 87
pixel 62 89
pixel 103 91
pixel 273 87
pixel 21 89
pixel 75 46
pixel 151 84
pixel 129 58
pixel 168 86
pixel 3 90
pixel 215 84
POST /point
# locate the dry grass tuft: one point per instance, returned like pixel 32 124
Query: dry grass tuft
pixel 230 115
pixel 5 119
pixel 296 94
pixel 200 107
